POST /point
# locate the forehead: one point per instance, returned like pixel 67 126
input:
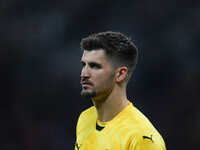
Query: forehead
pixel 94 56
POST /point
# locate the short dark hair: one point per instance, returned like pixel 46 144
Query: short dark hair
pixel 119 49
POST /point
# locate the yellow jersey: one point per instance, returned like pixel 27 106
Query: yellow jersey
pixel 129 130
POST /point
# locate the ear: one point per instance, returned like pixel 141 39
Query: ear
pixel 121 74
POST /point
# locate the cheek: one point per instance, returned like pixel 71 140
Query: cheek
pixel 103 79
pixel 104 82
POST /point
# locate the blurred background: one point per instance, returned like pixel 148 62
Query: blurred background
pixel 40 67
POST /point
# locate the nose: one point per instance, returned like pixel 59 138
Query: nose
pixel 85 73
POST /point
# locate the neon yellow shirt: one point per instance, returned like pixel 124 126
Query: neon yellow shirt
pixel 129 130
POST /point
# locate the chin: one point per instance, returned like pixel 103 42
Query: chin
pixel 88 94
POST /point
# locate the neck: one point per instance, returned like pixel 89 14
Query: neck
pixel 107 108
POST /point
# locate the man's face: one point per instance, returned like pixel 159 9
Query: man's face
pixel 97 75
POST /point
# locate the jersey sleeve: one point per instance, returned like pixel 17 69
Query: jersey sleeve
pixel 147 143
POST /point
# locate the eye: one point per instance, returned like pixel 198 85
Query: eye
pixel 95 65
pixel 82 63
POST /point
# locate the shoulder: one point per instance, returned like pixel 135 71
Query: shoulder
pixel 133 118
pixel 139 121
pixel 142 133
pixel 147 142
pixel 86 117
pixel 87 114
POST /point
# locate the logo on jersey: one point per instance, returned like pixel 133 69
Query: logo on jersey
pixel 150 138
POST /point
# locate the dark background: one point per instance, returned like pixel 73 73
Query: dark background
pixel 40 67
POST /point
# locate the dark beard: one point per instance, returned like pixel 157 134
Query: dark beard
pixel 87 95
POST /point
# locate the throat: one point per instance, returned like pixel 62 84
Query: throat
pixel 107 111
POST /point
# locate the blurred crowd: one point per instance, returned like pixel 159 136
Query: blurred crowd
pixel 40 67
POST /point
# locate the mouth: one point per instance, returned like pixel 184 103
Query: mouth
pixel 86 85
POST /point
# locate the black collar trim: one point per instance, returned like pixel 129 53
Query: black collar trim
pixel 98 127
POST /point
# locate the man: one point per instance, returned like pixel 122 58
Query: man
pixel 113 123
